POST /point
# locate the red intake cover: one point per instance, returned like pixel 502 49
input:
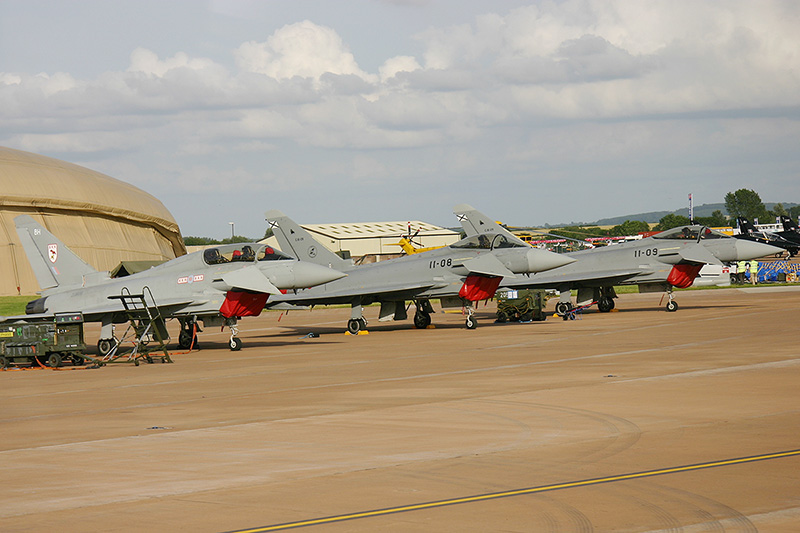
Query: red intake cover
pixel 478 288
pixel 682 276
pixel 241 304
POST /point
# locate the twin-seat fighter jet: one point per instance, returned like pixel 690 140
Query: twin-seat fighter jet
pixel 669 259
pixel 458 275
pixel 218 285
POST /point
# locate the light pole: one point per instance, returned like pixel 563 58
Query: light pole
pixel 231 223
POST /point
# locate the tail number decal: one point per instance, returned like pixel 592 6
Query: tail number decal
pixel 441 263
pixel 647 252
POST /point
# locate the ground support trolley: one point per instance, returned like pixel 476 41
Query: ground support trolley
pixel 525 305
pixel 40 342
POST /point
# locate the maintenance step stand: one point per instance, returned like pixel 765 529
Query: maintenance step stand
pixel 146 325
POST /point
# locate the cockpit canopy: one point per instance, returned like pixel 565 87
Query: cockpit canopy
pixel 242 252
pixel 487 242
pixel 690 233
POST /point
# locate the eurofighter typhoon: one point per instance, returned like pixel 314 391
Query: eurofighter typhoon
pixel 218 285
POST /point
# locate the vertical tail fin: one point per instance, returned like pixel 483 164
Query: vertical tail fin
pixel 788 223
pixel 476 223
pixel 299 243
pixel 53 264
pixel 745 226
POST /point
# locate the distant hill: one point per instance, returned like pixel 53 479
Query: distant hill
pixel 704 210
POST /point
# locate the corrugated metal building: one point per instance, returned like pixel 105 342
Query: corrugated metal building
pixel 375 240
pixel 103 220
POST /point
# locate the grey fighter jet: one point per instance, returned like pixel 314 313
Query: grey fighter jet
pixel 218 285
pixel 458 275
pixel 669 259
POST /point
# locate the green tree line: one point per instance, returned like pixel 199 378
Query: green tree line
pixel 205 241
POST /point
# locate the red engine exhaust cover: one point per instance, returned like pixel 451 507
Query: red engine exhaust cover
pixel 477 288
pixel 682 276
pixel 241 304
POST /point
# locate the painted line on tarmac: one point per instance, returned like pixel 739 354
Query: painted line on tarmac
pixel 518 492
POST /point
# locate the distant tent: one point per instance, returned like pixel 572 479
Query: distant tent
pixel 126 268
pixel 101 219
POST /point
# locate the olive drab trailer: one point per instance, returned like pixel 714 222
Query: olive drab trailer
pixel 524 305
pixel 43 342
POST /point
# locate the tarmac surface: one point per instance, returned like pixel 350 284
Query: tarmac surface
pixel 635 420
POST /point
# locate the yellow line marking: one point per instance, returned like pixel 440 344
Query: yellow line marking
pixel 530 490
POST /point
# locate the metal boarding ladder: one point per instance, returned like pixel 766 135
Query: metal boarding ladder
pixel 146 325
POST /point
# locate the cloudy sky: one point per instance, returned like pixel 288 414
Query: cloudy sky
pixel 371 110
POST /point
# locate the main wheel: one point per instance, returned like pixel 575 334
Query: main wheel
pixel 605 304
pixel 104 346
pixel 672 306
pixel 54 360
pixel 562 308
pixel 235 344
pixel 422 320
pixel 354 326
pixel 471 322
pixel 186 339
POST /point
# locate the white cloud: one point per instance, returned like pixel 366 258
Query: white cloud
pixel 392 66
pixel 147 62
pixel 545 90
pixel 304 49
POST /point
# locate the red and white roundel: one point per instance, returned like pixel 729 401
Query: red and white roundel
pixel 52 252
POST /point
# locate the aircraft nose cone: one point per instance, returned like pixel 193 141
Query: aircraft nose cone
pixel 541 260
pixel 308 274
pixel 746 250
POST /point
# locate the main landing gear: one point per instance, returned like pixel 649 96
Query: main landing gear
pixel 187 338
pixel 357 321
pixel 605 304
pixel 354 325
pixel 104 346
pixel 422 317
pixel 562 308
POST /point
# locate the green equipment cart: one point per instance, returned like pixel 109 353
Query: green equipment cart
pixel 43 342
pixel 523 305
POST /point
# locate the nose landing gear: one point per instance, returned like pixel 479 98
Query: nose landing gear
pixel 672 305
pixel 235 343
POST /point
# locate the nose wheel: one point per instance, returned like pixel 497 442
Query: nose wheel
pixel 672 305
pixel 235 343
pixel 471 321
